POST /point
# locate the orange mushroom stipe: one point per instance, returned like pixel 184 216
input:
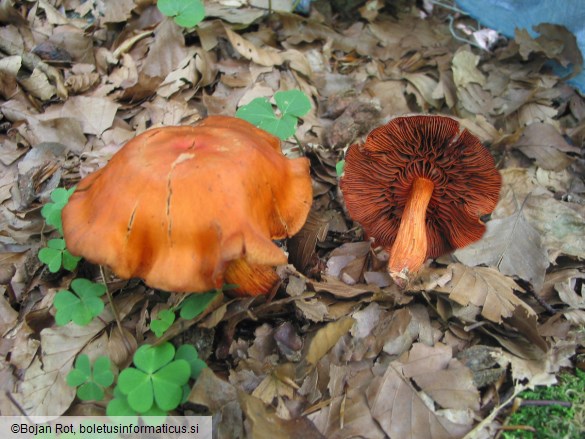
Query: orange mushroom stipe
pixel 419 185
pixel 190 208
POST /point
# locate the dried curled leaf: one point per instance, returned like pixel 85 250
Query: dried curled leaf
pixel 480 286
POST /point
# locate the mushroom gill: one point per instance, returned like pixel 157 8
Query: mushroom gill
pixel 419 185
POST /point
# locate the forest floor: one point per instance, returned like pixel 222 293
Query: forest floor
pixel 338 350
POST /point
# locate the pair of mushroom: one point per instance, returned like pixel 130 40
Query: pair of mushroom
pixel 190 208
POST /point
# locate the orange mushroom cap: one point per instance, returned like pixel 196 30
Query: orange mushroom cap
pixel 419 185
pixel 189 208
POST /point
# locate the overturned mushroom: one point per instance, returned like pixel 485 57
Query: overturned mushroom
pixel 189 208
pixel 419 185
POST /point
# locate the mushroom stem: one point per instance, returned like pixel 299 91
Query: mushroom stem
pixel 410 247
pixel 252 279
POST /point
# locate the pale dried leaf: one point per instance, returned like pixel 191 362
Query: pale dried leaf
pixel 403 413
pixel 8 315
pixel 95 114
pixel 263 56
pixel 511 245
pixel 464 67
pixel 545 145
pixel 265 424
pixel 483 287
pixel 326 338
pixel 44 392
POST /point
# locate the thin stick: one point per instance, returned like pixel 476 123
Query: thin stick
pixel 127 344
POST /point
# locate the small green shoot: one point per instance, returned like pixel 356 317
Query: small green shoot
pixel 56 255
pixel 157 380
pixel 81 305
pixel 52 211
pixel 292 104
pixel 186 13
pixel 90 384
pixel 195 304
pixel 339 167
pixel 164 320
pixel 188 353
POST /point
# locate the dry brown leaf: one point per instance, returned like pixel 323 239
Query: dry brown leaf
pixel 341 289
pixel 95 114
pixel 402 411
pixel 77 84
pixel 347 416
pixel 511 245
pixel 38 85
pixel 44 392
pixel 326 338
pixel 464 67
pixel 263 56
pixel 545 145
pixel 118 11
pixel 443 378
pixel 166 51
pixel 301 247
pixel 221 398
pixel 484 287
pixel 185 76
pixel 8 315
pixel 265 424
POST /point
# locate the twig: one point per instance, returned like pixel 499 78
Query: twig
pixel 299 144
pixel 541 301
pixel 127 344
pixel 544 403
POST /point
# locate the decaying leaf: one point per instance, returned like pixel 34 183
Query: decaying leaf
pixel 402 411
pixel 480 286
pixel 543 143
pixel 263 56
pixel 326 338
pixel 511 245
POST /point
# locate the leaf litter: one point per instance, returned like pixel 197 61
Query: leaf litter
pixel 339 351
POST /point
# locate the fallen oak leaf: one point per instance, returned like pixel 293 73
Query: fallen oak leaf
pixel 484 287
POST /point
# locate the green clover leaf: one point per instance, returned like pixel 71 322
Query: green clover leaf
pixel 90 385
pixel 292 105
pixel 52 211
pixel 186 13
pixel 156 380
pixel 164 320
pixel 81 305
pixel 292 102
pixel 55 255
pixel 195 304
pixel 188 353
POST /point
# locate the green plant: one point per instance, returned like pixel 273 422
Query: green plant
pixel 195 304
pixel 56 256
pixel 52 211
pixel 339 167
pixel 80 305
pixel 186 13
pixel 550 419
pixel 154 385
pixel 291 104
pixel 189 353
pixel 164 320
pixel 91 383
